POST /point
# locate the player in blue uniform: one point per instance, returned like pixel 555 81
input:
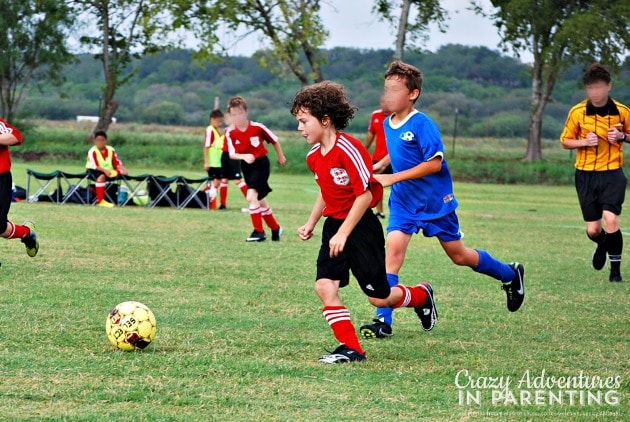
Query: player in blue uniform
pixel 422 196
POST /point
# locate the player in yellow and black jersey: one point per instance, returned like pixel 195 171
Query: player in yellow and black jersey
pixel 597 129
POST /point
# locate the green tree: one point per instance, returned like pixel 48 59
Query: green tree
pixel 428 11
pixel 32 46
pixel 558 34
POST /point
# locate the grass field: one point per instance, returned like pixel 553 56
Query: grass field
pixel 240 329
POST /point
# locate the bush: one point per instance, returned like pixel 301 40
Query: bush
pixel 165 113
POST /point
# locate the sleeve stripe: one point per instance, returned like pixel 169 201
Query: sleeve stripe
pixel 314 149
pixel 208 140
pixel 263 127
pixel 231 149
pixel 355 156
pixel 437 154
pixel 91 154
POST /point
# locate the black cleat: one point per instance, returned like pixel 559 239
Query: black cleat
pixel 30 241
pixel 615 276
pixel 380 215
pixel 256 237
pixel 378 329
pixel 599 257
pixel 427 312
pixel 275 234
pixel 222 207
pixel 343 354
pixel 515 289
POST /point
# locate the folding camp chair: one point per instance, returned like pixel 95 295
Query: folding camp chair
pixel 73 187
pixel 161 186
pixel 61 180
pixel 135 184
pixel 190 189
pixel 43 181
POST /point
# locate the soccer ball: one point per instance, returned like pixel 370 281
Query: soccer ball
pixel 130 326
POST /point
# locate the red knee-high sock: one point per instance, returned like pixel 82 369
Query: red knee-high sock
pixel 267 214
pixel 17 231
pixel 243 187
pixel 338 318
pixel 256 219
pixel 223 193
pixel 411 296
pixel 100 191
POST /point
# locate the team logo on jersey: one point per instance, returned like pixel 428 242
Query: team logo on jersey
pixel 407 136
pixel 255 141
pixel 340 176
pixel 448 198
pixel 4 129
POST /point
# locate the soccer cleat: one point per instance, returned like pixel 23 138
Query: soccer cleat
pixel 275 234
pixel 380 215
pixel 599 257
pixel 105 204
pixel 615 277
pixel 222 207
pixel 343 354
pixel 30 241
pixel 256 237
pixel 378 329
pixel 515 289
pixel 427 312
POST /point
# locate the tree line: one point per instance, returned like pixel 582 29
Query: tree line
pixel 34 37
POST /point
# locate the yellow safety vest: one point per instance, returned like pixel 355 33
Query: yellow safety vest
pixel 106 163
pixel 216 149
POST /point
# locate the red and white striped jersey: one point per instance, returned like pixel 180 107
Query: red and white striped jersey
pixel 344 173
pixel 249 141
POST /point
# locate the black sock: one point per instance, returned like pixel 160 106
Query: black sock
pixel 599 239
pixel 614 245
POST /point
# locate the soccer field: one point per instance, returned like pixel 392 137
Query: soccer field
pixel 240 328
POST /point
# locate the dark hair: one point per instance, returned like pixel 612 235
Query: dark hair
pixel 98 133
pixel 235 102
pixel 596 73
pixel 216 113
pixel 410 74
pixel 324 99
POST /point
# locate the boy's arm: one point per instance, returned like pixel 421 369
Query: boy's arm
pixel 382 165
pixel 206 165
pixel 570 134
pixel 8 139
pixel 306 231
pixel 282 160
pixel 369 138
pixel 359 207
pixel 426 168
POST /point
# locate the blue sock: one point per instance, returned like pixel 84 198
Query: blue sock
pixel 385 314
pixel 493 267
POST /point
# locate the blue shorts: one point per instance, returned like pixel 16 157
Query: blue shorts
pixel 444 228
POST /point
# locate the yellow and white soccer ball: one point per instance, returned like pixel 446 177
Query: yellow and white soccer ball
pixel 131 326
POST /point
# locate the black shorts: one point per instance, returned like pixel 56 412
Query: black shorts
pixel 363 254
pixel 94 174
pixel 600 190
pixel 257 176
pixel 214 173
pixel 6 187
pixel 388 169
pixel 230 169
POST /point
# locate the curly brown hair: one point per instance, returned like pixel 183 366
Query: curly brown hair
pixel 408 73
pixel 325 99
pixel 596 73
pixel 236 102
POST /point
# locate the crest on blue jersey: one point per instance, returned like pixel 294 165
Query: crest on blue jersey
pixel 407 136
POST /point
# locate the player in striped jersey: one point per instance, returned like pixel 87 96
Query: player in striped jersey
pixel 597 128
pixel 352 236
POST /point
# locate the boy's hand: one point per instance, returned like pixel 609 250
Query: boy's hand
pixel 206 167
pixel 591 139
pixel 122 170
pixel 385 179
pixel 306 231
pixel 282 160
pixel 614 135
pixel 249 158
pixel 336 244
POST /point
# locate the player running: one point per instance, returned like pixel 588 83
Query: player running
pixel 352 237
pixel 422 195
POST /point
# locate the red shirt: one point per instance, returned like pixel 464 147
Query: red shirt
pixel 249 141
pixel 344 173
pixel 376 127
pixel 5 157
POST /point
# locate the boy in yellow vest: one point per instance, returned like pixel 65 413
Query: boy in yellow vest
pixel 103 163
pixel 212 152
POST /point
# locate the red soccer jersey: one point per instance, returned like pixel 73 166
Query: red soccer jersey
pixel 344 173
pixel 5 157
pixel 250 140
pixel 376 127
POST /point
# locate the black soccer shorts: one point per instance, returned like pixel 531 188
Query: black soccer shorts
pixel 363 254
pixel 600 190
pixel 257 176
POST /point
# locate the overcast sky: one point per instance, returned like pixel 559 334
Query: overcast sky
pixel 352 24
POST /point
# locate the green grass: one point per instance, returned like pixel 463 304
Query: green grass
pixel 240 328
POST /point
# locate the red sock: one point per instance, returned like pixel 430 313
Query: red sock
pixel 100 191
pixel 256 219
pixel 243 187
pixel 338 318
pixel 223 193
pixel 18 232
pixel 267 214
pixel 412 296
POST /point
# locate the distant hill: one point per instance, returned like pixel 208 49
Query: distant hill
pixel 491 91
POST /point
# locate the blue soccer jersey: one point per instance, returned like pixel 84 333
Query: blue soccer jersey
pixel 413 141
